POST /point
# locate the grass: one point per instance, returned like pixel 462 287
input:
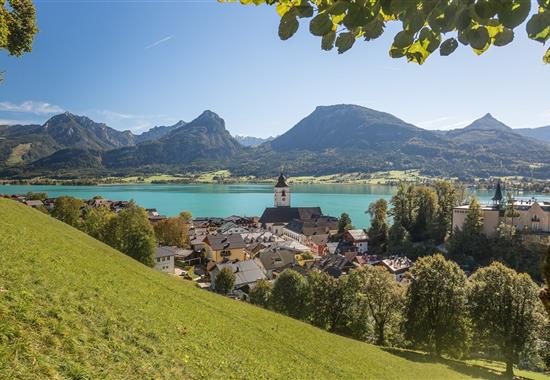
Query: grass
pixel 71 307
pixel 16 155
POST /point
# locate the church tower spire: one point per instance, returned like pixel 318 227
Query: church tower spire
pixel 282 192
pixel 497 198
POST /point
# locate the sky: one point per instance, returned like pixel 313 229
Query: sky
pixel 137 64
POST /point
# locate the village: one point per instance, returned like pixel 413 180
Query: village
pixel 259 248
pixel 288 237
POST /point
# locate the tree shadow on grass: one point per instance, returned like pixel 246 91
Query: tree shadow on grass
pixel 472 370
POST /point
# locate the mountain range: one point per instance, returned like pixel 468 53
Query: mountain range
pixel 332 139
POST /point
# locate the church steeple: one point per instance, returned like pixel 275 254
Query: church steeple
pixel 282 192
pixel 497 198
pixel 281 182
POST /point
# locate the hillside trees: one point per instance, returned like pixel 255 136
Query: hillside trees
pixel 435 317
pixel 172 232
pixel 132 234
pixel 378 231
pixel 426 26
pixel 260 294
pixel 383 298
pixel 96 222
pixel 344 223
pixel 225 281
pixel 545 292
pixel 290 294
pixel 503 306
pixel 67 210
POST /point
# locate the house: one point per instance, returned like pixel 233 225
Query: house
pixel 532 217
pixel 232 228
pixel 335 265
pixel 397 266
pixel 301 229
pixel 225 247
pixel 99 202
pixel 358 238
pixel 165 259
pixel 153 215
pixel 276 260
pixel 246 273
pixel 318 244
pixel 34 203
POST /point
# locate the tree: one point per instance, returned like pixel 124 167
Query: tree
pixel 36 196
pixel 131 233
pixel 260 294
pixel 503 306
pixel 289 295
pixel 469 246
pixel 435 317
pixel 545 292
pixel 344 223
pixel 402 210
pixel 186 216
pixel 96 221
pixel 425 204
pixel 172 232
pixel 225 281
pixel 447 198
pixel 423 23
pixel 17 26
pixel 383 297
pixel 474 218
pixel 67 210
pixel 378 231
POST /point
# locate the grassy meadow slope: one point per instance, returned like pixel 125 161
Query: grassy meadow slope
pixel 71 307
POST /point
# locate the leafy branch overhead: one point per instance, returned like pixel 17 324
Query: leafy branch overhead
pixel 427 25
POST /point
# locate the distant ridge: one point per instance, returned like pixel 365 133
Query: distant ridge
pixel 342 138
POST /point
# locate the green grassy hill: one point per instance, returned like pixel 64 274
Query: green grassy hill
pixel 71 307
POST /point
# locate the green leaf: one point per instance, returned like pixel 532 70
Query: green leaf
pixel 373 29
pixel 305 11
pixel 354 17
pixel 546 58
pixel 413 21
pixel 545 4
pixel 479 38
pixel 417 53
pixel 485 9
pixel 338 8
pixel 327 41
pixel 396 52
pixel 538 27
pixel 513 12
pixel 320 24
pixel 429 39
pixel 504 38
pixel 448 47
pixel 288 25
pixel 344 42
pixel 463 37
pixel 403 40
pixel 463 20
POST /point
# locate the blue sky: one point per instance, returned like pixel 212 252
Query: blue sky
pixel 136 64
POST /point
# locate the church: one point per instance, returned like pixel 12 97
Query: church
pixel 276 218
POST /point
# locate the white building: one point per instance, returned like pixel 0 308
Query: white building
pixel 165 259
pixel 282 192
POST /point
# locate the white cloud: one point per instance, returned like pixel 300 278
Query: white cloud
pixel 133 122
pixel 15 122
pixel 161 41
pixel 30 106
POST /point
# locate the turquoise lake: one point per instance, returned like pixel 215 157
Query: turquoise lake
pixel 239 199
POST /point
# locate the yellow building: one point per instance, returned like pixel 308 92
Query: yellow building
pixel 225 247
pixel 531 217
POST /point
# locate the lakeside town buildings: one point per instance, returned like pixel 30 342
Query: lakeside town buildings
pixel 531 217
